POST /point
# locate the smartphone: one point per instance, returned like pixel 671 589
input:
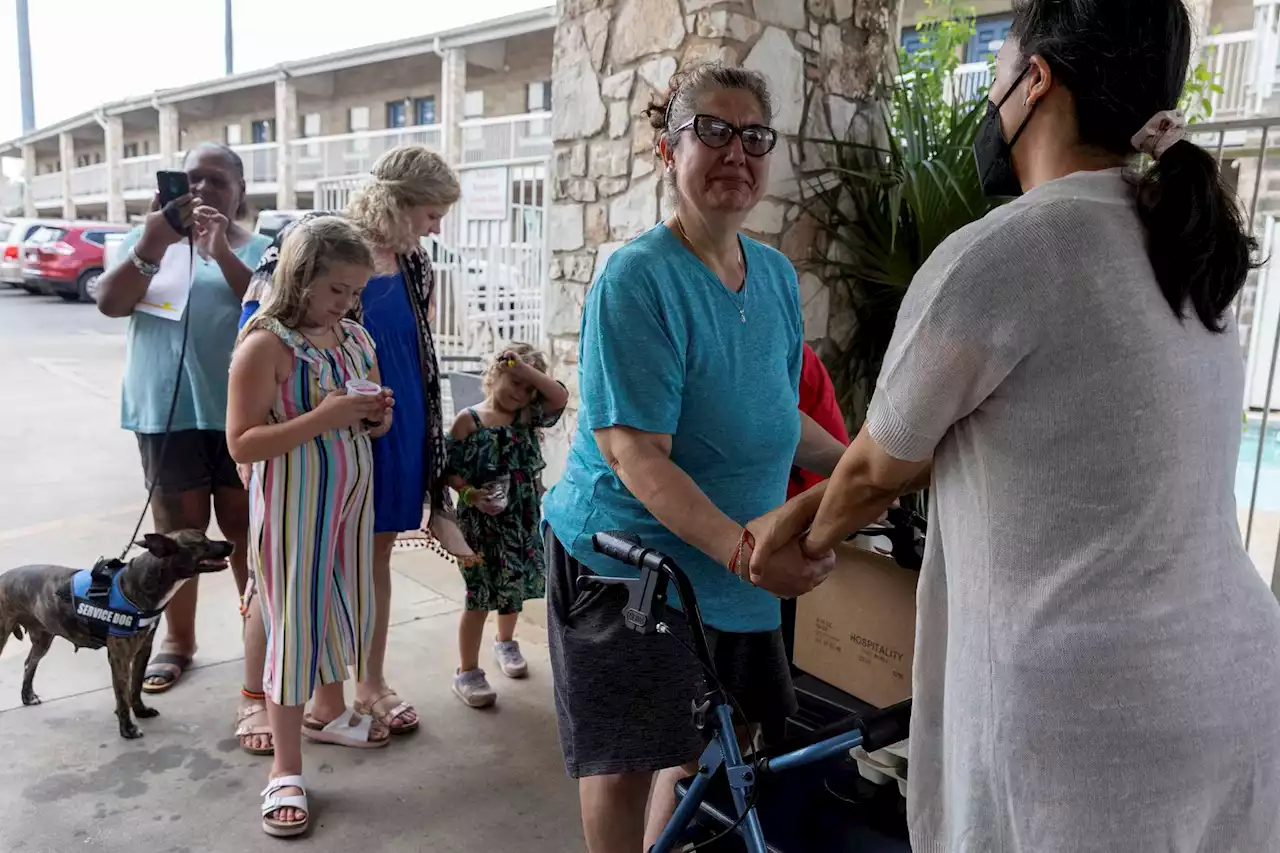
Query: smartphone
pixel 172 185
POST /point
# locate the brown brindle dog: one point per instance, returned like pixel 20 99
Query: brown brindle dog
pixel 119 611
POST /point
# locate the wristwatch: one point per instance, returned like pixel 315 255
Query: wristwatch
pixel 147 268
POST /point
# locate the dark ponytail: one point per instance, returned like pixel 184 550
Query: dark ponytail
pixel 1124 61
pixel 1195 233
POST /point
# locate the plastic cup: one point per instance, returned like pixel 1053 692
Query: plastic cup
pixel 365 388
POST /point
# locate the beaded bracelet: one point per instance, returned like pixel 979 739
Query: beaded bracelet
pixel 464 495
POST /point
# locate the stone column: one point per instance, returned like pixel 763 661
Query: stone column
pixel 286 156
pixel 113 137
pixel 822 59
pixel 28 180
pixel 170 139
pixel 453 96
pixel 67 154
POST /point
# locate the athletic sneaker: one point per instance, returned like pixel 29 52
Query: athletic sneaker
pixel 510 660
pixel 473 688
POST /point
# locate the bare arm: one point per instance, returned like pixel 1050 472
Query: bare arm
pixel 554 395
pixel 819 451
pixel 642 460
pixel 865 483
pixel 463 426
pixel 260 364
pixel 233 269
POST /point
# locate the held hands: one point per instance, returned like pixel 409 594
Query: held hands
pixel 340 410
pixel 381 426
pixel 778 562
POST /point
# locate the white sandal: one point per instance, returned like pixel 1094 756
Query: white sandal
pixel 347 729
pixel 272 802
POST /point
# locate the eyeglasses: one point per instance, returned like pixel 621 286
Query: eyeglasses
pixel 757 139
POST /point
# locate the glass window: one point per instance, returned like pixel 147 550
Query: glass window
pixel 424 110
pixel 473 104
pixel 538 97
pixel 396 114
pixel 97 238
pixel 988 36
pixel 131 150
pixel 231 134
pixel 264 130
pixel 358 119
pixel 311 124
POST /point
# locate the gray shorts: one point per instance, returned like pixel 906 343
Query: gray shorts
pixel 624 701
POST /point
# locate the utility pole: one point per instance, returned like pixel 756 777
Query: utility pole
pixel 229 40
pixel 24 69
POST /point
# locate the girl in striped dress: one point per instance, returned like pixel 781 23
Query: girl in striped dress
pixel 296 415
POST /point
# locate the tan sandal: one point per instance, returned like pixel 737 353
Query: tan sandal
pixel 246 730
pixel 387 718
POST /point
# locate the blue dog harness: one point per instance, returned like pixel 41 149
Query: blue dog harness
pixel 102 607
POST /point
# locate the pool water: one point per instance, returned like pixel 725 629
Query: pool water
pixel 1268 474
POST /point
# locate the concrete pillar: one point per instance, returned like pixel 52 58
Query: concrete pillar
pixel 286 157
pixel 607 185
pixel 67 154
pixel 114 135
pixel 453 92
pixel 170 140
pixel 28 179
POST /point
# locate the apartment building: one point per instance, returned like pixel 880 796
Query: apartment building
pixel 1240 43
pixel 480 94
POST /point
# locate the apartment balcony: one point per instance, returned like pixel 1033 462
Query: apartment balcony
pixel 325 158
pixel 504 139
pixel 138 176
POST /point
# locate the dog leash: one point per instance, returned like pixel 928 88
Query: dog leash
pixel 173 406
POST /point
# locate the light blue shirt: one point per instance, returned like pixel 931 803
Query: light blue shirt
pixel 151 359
pixel 664 349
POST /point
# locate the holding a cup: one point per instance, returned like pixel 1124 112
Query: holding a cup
pixel 367 388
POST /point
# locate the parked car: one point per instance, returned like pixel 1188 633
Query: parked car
pixel 272 222
pixel 14 234
pixel 66 259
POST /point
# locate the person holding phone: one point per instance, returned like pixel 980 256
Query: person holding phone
pixel 193 474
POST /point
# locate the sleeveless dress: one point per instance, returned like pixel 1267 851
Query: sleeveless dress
pixel 401 457
pixel 512 569
pixel 311 528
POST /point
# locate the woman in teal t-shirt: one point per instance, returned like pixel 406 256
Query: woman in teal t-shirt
pixel 688 429
pixel 195 473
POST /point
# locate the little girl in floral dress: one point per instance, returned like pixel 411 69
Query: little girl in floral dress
pixel 495 464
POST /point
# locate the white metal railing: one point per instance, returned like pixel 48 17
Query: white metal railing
pixel 969 82
pixel 486 297
pixel 46 188
pixel 260 162
pixel 1232 59
pixel 89 180
pixel 504 138
pixel 138 174
pixel 320 158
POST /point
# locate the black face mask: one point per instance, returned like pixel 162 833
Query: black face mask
pixel 994 155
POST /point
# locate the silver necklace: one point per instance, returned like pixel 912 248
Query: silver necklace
pixel 739 303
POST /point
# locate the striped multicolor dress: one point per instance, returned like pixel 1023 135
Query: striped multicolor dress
pixel 311 527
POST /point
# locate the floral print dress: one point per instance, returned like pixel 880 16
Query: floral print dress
pixel 510 543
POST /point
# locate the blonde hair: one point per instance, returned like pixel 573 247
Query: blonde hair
pixel 406 176
pixel 527 353
pixel 312 248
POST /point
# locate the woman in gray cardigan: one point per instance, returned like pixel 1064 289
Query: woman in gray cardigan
pixel 1098 662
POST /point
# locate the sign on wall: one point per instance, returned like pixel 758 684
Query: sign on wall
pixel 484 193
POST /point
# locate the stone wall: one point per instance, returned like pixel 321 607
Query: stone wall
pixel 822 59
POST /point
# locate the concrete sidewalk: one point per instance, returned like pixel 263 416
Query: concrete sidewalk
pixel 467 781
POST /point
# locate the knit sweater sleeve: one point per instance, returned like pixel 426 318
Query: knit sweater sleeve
pixel 973 312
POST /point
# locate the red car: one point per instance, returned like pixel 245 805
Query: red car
pixel 66 258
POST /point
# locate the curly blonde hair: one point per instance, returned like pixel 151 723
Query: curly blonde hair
pixel 527 353
pixel 407 176
pixel 311 249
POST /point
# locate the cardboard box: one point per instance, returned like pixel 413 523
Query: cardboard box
pixel 857 631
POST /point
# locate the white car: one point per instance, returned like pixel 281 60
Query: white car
pixel 14 233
